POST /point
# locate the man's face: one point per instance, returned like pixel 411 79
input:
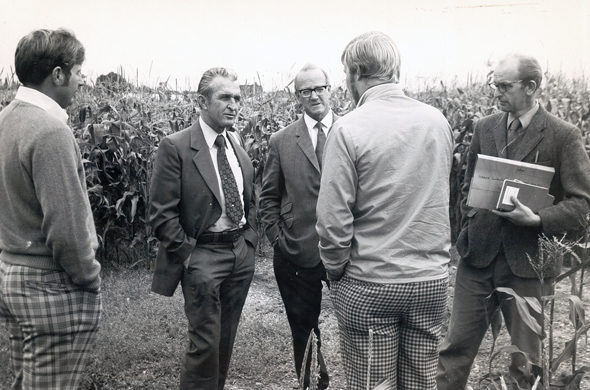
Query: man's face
pixel 515 98
pixel 351 84
pixel 221 109
pixel 317 104
pixel 67 89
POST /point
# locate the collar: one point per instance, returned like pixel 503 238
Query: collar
pixel 326 121
pixel 525 119
pixel 210 134
pixel 379 91
pixel 39 99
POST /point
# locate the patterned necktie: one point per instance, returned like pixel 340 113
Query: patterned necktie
pixel 319 149
pixel 233 204
pixel 513 130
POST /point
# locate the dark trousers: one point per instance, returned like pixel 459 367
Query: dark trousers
pixel 301 291
pixel 470 317
pixel 215 286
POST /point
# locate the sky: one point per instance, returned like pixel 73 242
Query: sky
pixel 268 41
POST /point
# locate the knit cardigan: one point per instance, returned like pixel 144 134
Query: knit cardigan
pixel 45 216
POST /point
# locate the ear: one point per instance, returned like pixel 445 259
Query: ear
pixel 202 102
pixel 58 76
pixel 531 87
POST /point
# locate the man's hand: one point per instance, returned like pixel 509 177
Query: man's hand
pixel 521 215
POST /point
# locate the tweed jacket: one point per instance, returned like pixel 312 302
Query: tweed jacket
pixel 290 188
pixel 547 141
pixel 185 201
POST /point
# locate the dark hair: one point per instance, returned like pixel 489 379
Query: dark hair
pixel 41 51
pixel 205 83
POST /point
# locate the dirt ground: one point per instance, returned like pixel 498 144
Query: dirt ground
pixel 264 294
pixel 262 356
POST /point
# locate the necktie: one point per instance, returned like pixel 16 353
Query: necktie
pixel 319 149
pixel 513 130
pixel 233 204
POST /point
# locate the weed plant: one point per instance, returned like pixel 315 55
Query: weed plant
pixel 552 252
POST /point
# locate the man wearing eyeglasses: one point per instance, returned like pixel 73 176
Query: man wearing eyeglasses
pixel 493 244
pixel 290 188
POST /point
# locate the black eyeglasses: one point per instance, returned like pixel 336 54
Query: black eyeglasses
pixel 503 86
pixel 318 90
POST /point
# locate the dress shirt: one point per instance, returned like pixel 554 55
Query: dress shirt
pixel 224 222
pixel 525 119
pixel 313 131
pixel 39 99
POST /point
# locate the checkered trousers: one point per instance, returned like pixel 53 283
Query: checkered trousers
pixel 391 330
pixel 52 324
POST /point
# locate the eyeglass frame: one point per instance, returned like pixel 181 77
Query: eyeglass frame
pixel 504 85
pixel 304 92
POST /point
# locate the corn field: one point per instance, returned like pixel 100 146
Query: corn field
pixel 118 126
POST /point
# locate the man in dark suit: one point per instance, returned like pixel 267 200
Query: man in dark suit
pixel 290 188
pixel 201 211
pixel 493 244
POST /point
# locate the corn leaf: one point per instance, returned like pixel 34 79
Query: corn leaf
pixel 572 382
pixel 568 351
pixel 522 308
pixel 496 324
pixel 510 349
pixel 577 312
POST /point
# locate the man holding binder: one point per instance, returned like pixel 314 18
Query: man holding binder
pixel 494 244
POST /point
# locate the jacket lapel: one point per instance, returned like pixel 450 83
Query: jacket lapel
pixel 304 142
pixel 532 135
pixel 247 171
pixel 202 160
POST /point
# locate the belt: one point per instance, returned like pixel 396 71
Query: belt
pixel 227 236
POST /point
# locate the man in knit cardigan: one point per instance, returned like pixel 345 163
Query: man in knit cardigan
pixel 49 279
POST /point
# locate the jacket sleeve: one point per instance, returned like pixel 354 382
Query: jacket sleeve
pixel 570 213
pixel 165 193
pixel 270 194
pixel 474 150
pixel 250 233
pixel 336 200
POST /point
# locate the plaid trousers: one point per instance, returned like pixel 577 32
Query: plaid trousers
pixel 52 324
pixel 395 327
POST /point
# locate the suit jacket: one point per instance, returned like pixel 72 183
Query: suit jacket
pixel 290 188
pixel 185 201
pixel 558 145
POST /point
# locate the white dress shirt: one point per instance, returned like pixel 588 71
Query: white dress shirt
pixel 313 131
pixel 525 119
pixel 224 222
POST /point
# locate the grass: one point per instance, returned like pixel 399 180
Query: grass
pixel 143 337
